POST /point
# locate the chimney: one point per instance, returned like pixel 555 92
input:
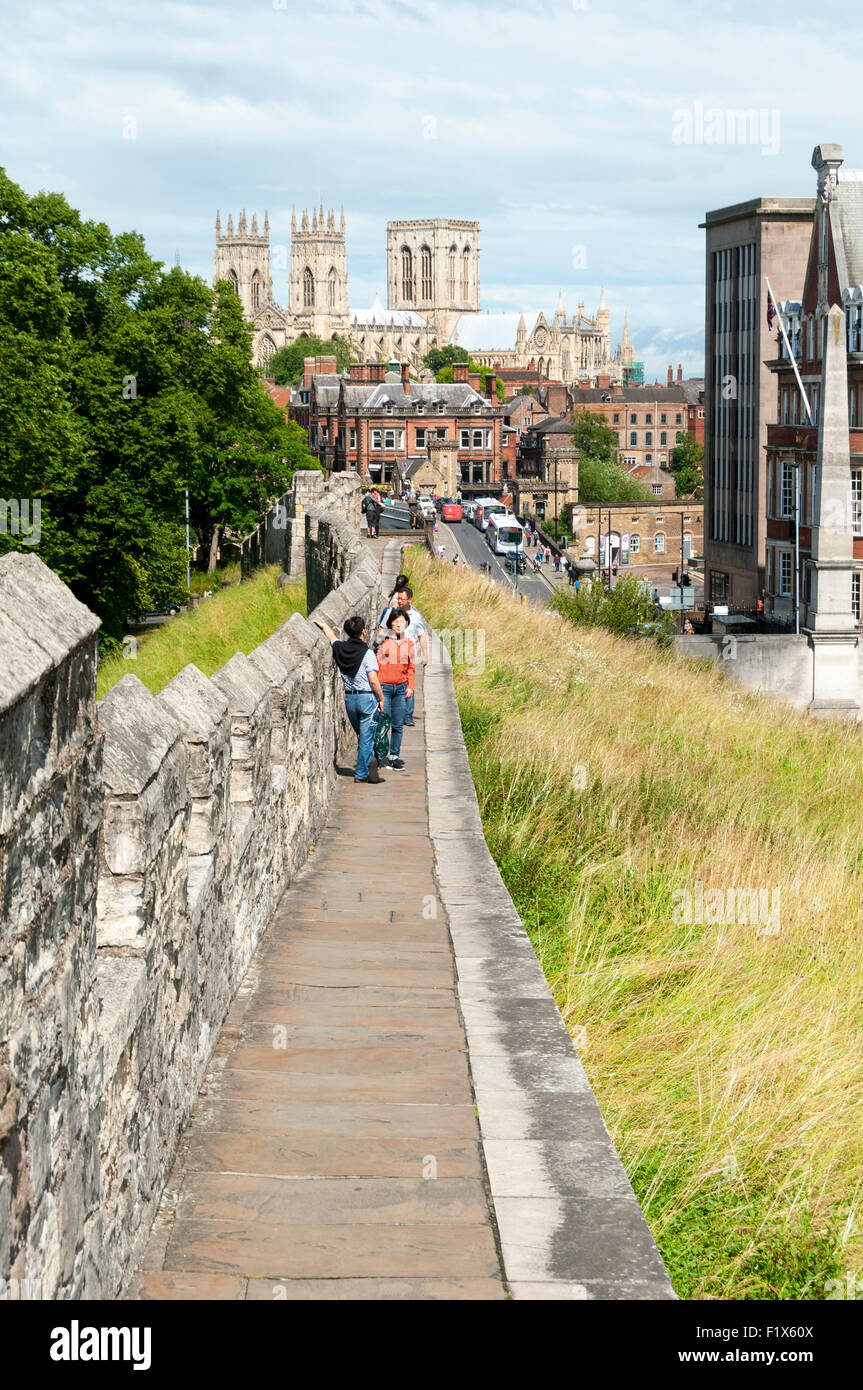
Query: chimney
pixel 328 366
pixel 406 377
pixel 670 375
pixel 377 371
pixel 680 373
pixel 461 372
pixel 490 387
pixel 309 364
pixel 475 381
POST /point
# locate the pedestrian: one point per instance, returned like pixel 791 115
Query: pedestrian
pixel 547 556
pixel 441 550
pixel 655 594
pixel 570 572
pixel 688 628
pixel 373 512
pixel 413 512
pixel 417 632
pixel 577 581
pixel 557 564
pixel 358 667
pixel 397 674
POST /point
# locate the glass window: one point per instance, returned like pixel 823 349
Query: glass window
pixel 633 419
pixel 785 573
pixel 634 544
pixel 648 419
pixel 421 439
pixel 376 439
pixel 633 439
pixel 352 437
pixel 648 437
pixel 855 594
pixel 663 438
pixel 656 489
pixel 659 543
pixel 389 439
pixel 464 438
pixel 477 439
pixel 678 419
pixel 857 500
pixel 786 501
pixel 663 420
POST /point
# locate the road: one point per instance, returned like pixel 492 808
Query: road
pixel 463 539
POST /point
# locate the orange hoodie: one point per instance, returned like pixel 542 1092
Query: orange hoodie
pixel 396 663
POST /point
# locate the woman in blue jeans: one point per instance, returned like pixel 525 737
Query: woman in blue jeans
pixel 397 673
pixel 364 697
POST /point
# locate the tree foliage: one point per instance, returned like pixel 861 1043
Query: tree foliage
pixel 123 384
pixel 687 464
pixel 436 359
pixel 600 476
pixel 627 609
pixel 286 365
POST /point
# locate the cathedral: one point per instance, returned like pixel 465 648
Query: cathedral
pixel 433 298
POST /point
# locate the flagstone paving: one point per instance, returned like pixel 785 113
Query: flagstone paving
pixel 335 1151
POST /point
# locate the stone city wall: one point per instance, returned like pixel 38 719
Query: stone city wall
pixel 144 844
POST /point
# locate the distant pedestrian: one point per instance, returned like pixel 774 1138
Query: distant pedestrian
pixel 363 694
pixel 441 550
pixel 557 564
pixel 577 582
pixel 571 575
pixel 373 512
pixel 688 628
pixel 655 594
pixel 547 555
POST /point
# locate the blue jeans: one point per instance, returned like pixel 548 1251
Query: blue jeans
pixel 361 708
pixel 395 699
pixel 409 705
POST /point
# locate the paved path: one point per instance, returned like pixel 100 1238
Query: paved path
pixel 335 1150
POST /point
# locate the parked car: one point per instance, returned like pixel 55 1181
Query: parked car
pixel 153 616
pixel 427 507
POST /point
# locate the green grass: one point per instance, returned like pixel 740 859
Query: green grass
pixel 236 619
pixel 727 1061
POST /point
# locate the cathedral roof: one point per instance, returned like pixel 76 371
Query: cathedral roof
pixel 485 332
pixel 380 317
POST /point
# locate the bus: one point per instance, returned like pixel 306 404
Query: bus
pixel 505 534
pixel 487 507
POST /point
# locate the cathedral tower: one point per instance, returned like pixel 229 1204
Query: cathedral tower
pixel 319 273
pixel 243 259
pixel 433 269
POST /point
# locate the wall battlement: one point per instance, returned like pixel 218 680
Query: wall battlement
pixel 144 844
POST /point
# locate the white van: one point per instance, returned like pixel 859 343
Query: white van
pixel 505 534
pixel 487 508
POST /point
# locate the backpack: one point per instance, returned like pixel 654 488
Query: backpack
pixel 382 737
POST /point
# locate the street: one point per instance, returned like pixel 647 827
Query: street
pixel 469 544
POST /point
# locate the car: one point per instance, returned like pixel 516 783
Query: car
pixel 515 562
pixel 427 509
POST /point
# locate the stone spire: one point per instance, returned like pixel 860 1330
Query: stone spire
pixel 242 229
pixel 254 224
pixel 293 221
pixel 218 223
pixel 230 224
pixel 602 297
pixel 321 217
pixel 521 335
pixel 305 223
pixel 832 532
pixel 626 330
pixel 342 221
pixel 314 220
pixel 266 224
pixel 331 221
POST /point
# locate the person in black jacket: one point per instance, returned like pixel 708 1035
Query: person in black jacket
pixel 373 511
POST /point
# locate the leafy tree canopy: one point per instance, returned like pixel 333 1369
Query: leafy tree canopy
pixel 445 374
pixel 438 358
pixel 286 365
pixel 123 384
pixel 687 464
pixel 600 476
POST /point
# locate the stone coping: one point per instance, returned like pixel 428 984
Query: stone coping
pixel 569 1223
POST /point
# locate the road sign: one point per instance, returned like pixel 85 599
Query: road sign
pixel 681 598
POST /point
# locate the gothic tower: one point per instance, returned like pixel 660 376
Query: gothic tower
pixel 433 270
pixel 243 259
pixel 319 274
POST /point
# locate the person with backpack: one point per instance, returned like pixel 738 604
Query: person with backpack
pixel 372 507
pixel 397 670
pixel 364 697
pixel 417 632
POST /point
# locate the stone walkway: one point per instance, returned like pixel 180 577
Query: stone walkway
pixel 335 1150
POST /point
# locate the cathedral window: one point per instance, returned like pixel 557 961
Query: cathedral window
pixel 267 349
pixel 426 270
pixel 465 273
pixel 452 265
pixel 407 273
pixel 332 285
pixel 256 291
pixel 308 289
pixel 235 284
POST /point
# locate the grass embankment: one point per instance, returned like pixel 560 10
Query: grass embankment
pixel 236 619
pixel 726 1058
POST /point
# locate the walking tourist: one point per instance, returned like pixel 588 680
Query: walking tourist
pixel 417 632
pixel 363 694
pixel 397 672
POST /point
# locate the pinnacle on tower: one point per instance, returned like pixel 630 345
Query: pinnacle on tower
pixel 342 221
pixel 559 309
pixel 626 328
pixel 305 223
pixel 254 224
pixel 242 228
pixel 293 221
pixel 218 223
pixel 321 218
pixel 331 221
pixel 314 220
pixel 266 224
pixel 230 224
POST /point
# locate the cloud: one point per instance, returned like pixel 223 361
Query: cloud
pixel 549 123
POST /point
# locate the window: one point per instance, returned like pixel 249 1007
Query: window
pixel 656 489
pixel 464 439
pixel 389 407
pixel 678 419
pixel 256 290
pixel 648 438
pixel 376 439
pixel 663 420
pixel 786 501
pixel 426 272
pixel 659 543
pixel 488 435
pixel 452 263
pixel 440 407
pixel 701 413
pixel 857 500
pixel 421 438
pixel 477 439
pixel 633 439
pixel 648 458
pixel 465 273
pixel 633 419
pixel 235 284
pixel 663 439
pixel 720 587
pixel 407 273
pixel 441 434
pixel 634 544
pixel 420 408
pixel 616 420
pixel 332 285
pixel 785 573
pixel 687 544
pixel 648 419
pixel 855 594
pixel 308 289
pixel 352 437
pixel 389 439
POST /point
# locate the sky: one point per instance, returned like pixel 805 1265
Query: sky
pixel 588 137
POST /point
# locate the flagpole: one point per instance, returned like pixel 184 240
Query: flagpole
pixel 792 359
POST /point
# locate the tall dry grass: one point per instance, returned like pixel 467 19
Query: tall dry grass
pixel 726 1056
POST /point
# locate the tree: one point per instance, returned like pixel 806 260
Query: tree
pixel 122 385
pixel 627 609
pixel 600 476
pixel 438 358
pixel 286 365
pixel 687 464
pixel 446 374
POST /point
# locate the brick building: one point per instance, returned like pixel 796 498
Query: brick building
pixel 834 277
pixel 645 537
pixel 647 419
pixel 380 423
